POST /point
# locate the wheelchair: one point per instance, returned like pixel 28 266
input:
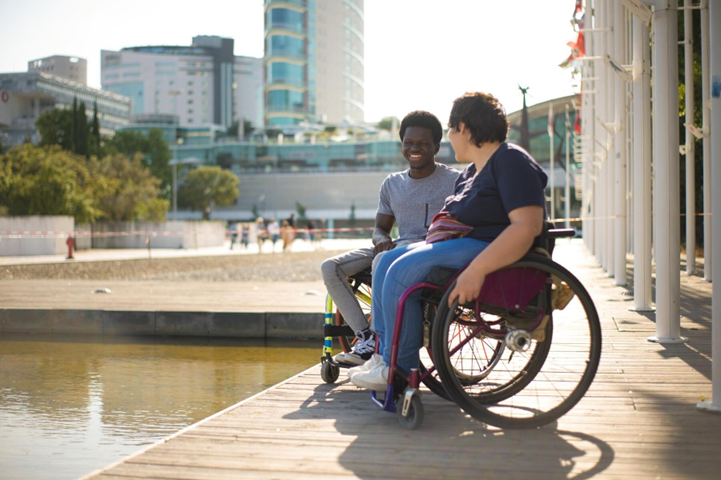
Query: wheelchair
pixel 520 356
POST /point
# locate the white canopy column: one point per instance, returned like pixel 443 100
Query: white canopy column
pixel 715 137
pixel 641 168
pixel 666 161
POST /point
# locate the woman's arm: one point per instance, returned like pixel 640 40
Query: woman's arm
pixel 513 242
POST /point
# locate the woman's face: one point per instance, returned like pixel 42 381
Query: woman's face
pixel 458 140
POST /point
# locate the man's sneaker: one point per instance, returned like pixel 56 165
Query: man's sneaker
pixel 375 379
pixel 362 351
pixel 374 361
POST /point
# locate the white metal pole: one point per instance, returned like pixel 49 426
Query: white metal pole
pixel 705 99
pixel 619 201
pixel 690 140
pixel 610 154
pixel 567 189
pixel 715 136
pixel 666 191
pixel 641 169
pixel 588 128
pixel 550 140
pixel 175 191
pixel 601 143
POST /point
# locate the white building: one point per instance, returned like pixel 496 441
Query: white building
pixel 70 68
pixel 26 96
pixel 202 84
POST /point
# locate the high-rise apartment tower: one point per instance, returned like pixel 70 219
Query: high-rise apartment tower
pixel 313 62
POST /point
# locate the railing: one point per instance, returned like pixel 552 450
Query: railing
pixel 287 54
pixel 284 81
pixel 290 27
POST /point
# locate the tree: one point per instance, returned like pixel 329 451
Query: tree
pixel 301 211
pixel 131 191
pixel 82 131
pixel 94 146
pixel 386 123
pixel 48 181
pixel 248 128
pixel 154 152
pixel 56 128
pixel 208 186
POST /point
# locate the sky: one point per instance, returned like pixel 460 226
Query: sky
pixel 419 54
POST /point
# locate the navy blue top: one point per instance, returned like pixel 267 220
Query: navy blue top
pixel 510 179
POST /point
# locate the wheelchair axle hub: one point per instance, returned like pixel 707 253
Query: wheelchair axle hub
pixel 518 340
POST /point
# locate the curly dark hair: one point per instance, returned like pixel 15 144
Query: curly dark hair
pixel 483 115
pixel 421 118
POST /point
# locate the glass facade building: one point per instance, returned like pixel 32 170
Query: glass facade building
pixel 313 62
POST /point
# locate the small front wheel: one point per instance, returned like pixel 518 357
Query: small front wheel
pixel 414 416
pixel 329 373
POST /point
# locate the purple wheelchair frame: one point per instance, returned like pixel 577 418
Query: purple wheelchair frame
pixel 508 289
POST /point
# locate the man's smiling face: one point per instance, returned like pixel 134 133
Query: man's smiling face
pixel 419 150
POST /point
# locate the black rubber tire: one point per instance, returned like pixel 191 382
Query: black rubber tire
pixel 567 386
pixel 414 419
pixel 329 373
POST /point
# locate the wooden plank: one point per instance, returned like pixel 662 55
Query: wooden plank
pixel 638 419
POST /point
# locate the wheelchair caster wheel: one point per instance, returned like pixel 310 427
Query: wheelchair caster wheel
pixel 329 373
pixel 414 416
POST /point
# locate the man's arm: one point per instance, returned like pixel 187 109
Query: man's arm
pixel 382 233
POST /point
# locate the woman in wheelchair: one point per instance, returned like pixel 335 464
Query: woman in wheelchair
pixel 498 203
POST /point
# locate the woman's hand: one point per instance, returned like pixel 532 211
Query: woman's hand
pixel 468 287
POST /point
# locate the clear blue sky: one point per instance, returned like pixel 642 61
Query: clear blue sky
pixel 420 54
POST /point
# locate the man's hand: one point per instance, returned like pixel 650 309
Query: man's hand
pixel 383 247
pixel 468 287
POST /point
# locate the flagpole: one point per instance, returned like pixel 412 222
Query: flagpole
pixel 567 192
pixel 550 138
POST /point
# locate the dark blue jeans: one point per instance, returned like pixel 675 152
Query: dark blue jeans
pixel 401 268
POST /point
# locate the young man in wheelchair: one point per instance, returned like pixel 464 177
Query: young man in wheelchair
pixel 498 200
pixel 411 198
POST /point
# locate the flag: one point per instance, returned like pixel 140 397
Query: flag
pixel 578 9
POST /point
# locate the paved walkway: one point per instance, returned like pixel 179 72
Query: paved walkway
pixel 638 420
pixel 99 255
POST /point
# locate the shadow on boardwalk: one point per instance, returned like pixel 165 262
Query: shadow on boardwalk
pixel 450 444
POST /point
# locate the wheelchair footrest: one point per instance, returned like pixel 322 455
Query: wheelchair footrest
pixel 337 331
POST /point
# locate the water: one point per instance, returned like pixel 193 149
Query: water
pixel 70 407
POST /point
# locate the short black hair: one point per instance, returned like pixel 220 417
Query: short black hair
pixel 483 115
pixel 421 118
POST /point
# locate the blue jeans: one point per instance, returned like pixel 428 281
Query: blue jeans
pixel 401 268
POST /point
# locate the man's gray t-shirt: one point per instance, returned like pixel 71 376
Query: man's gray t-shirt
pixel 414 202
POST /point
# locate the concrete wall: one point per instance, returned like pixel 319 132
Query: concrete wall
pixel 35 246
pixel 173 234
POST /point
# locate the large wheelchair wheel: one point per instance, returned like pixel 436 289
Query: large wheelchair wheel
pixel 537 380
pixel 487 352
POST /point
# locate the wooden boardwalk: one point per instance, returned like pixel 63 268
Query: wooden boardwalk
pixel 639 419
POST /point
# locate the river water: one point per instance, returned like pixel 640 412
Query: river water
pixel 70 407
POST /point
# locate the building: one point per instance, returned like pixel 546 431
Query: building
pixel 70 68
pixel 26 96
pixel 314 66
pixel 201 84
